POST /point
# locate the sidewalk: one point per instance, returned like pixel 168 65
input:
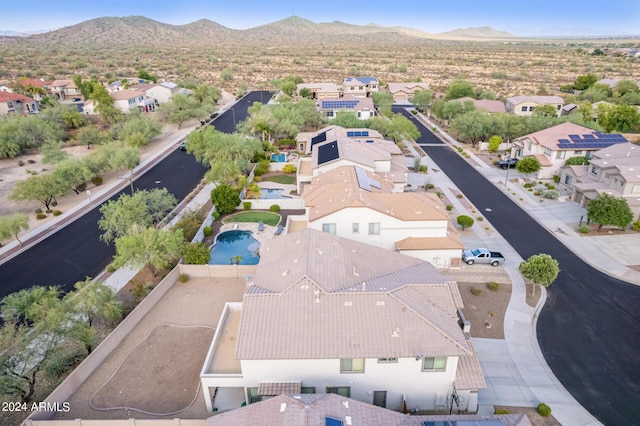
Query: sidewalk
pixel 515 370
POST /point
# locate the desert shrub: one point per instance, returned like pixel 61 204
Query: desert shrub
pixel 459 196
pixel 216 215
pixel 537 193
pixel 20 163
pixel 528 185
pixel 502 411
pixel 465 221
pixel 556 178
pixel 530 189
pixel 549 186
pixel 544 410
pixel 274 208
pixel 636 225
pixel 493 286
pixel 65 360
pixel 289 168
pixel 40 216
pixel 183 278
pixel 111 268
pixel 246 205
pixel 38 211
pixel 476 291
pixel 196 254
pixel 31 161
pixel 54 203
pixel 424 168
pixel 460 149
pixel 449 207
pixel 583 229
pixel 262 167
pixel 480 218
pixel 57 212
pixel 431 186
pixel 207 231
pixel 189 223
pixel 439 194
pixel 551 194
pixel 97 180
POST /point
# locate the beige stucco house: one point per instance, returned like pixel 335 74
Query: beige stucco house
pixel 330 107
pixel 320 90
pixel 65 90
pixel 360 86
pixel 403 92
pixel 325 314
pixel 614 170
pixel 525 105
pixel 15 103
pixel 553 146
pixel 128 99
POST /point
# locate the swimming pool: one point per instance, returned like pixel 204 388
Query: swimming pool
pixel 279 158
pixel 235 243
pixel 272 193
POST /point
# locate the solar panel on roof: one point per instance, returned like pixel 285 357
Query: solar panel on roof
pixel 374 183
pixel 369 141
pixel 330 421
pixel 319 138
pixel 339 104
pixel 574 136
pixel 563 140
pixel 328 152
pixel 363 179
pixel 437 423
pixel 589 136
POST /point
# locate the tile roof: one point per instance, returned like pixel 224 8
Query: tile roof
pixel 278 388
pixel 63 83
pixel 35 82
pixel 339 188
pixel 318 296
pixel 549 138
pixel 543 160
pixel 407 87
pixel 468 374
pixel 490 106
pixel 320 87
pixel 313 409
pixel 540 100
pixel 126 94
pixel 430 243
pixel 10 96
pixel 347 102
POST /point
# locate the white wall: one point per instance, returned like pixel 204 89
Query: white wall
pixel 404 377
pixel 284 203
pixel 160 94
pixel 438 258
pixel 391 229
pixel 335 164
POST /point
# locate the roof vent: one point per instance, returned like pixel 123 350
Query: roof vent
pixel 285 272
pixel 355 273
pixel 346 404
pixel 319 251
pixel 317 294
pixel 283 407
pixel 348 303
pixel 380 303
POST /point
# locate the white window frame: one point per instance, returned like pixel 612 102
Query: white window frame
pixel 561 154
pixel 547 151
pixel 355 228
pixel 351 365
pixel 374 228
pixel 438 363
pixel 329 228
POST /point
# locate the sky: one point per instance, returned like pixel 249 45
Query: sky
pixel 524 18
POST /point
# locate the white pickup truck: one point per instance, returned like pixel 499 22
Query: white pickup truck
pixel 482 255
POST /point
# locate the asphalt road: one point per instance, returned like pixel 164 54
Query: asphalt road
pixel 75 251
pixel 589 328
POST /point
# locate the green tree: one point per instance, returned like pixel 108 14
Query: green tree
pixel 306 93
pixel 52 152
pixel 583 82
pixel 618 118
pixel 494 143
pixel 181 108
pixel 585 110
pixel 134 125
pixel 606 209
pixel 460 88
pixel 348 120
pixel 74 172
pixel 127 158
pixel 146 76
pixel 43 188
pixel 383 101
pixel 472 127
pixel 145 208
pixel 631 98
pixel 89 304
pixel 9 146
pixel 207 94
pixel 225 198
pixel 528 165
pixel 151 247
pixel 11 225
pixel 547 110
pixel 196 254
pixel 422 99
pixel 541 269
pixel 623 87
pixel 577 161
pixel 465 221
pixel 90 135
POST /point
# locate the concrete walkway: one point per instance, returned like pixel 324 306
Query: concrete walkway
pixel 515 370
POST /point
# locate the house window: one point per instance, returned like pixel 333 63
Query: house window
pixel 567 180
pixel 341 390
pixel 359 114
pixel 355 228
pixel 352 365
pixel 529 146
pixel 387 360
pixel 9 104
pixel 374 228
pixel 329 228
pixel 635 188
pixel 531 108
pixel 547 151
pixel 329 113
pixel 594 170
pixel 308 389
pixel 252 393
pixel 434 363
pixel 558 107
pixel 524 109
pixel 561 154
pixel 577 153
pixel 588 155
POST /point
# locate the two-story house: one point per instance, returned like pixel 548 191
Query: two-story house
pixel 128 99
pixel 64 90
pixel 353 203
pixel 553 146
pixel 525 105
pixel 361 87
pixel 614 170
pixel 403 92
pixel 363 107
pixel 325 314
pixel 320 90
pixel 15 103
pixel 161 92
pixel 37 87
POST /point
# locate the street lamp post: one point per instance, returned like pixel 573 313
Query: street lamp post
pixel 506 177
pixel 233 112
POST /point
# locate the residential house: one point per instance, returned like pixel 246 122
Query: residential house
pixel 332 409
pixel 161 92
pixel 613 170
pixel 486 105
pixel 335 146
pixel 325 314
pixel 320 90
pixel 128 99
pixel 65 90
pixel 403 92
pixel 354 203
pixel 361 87
pixel 553 146
pixel 611 82
pixel 35 86
pixel 569 109
pixel 124 83
pixel 15 103
pixel 525 105
pixel 363 107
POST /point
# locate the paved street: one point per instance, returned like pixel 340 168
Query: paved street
pixel 75 251
pixel 588 329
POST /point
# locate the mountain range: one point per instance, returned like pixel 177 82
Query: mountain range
pixel 139 30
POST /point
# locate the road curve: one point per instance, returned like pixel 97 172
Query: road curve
pixel 589 328
pixel 75 251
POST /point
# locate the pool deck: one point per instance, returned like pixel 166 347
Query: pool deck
pixel 261 236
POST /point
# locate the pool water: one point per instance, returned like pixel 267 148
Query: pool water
pixel 235 243
pixel 272 193
pixel 279 158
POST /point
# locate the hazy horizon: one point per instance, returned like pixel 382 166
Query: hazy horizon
pixel 542 19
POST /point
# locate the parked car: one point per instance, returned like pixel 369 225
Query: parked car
pixel 505 164
pixel 482 255
pixel 183 146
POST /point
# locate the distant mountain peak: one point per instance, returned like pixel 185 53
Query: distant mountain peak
pixel 476 32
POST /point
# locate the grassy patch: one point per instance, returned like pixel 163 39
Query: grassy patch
pixel 267 217
pixel 283 179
